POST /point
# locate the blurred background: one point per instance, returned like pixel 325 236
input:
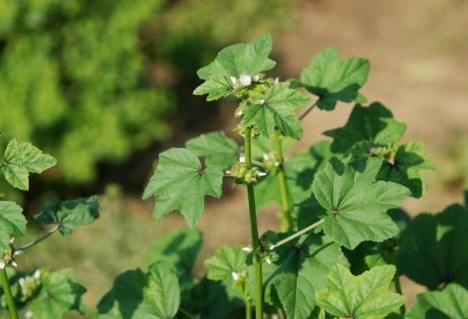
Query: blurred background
pixel 106 85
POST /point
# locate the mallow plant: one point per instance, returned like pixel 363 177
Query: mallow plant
pixel 343 242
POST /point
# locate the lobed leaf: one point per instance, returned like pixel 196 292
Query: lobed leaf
pixel 406 168
pixel 21 159
pixel 58 294
pixel 367 127
pixel 300 271
pixel 70 214
pixel 12 223
pixel 227 265
pixel 180 182
pixel 356 203
pixel 242 59
pixel 276 109
pixel 451 302
pixel 218 149
pixel 333 80
pixel 431 248
pixel 366 296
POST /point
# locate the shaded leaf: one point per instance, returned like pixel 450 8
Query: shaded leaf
pixel 180 249
pixel 431 246
pixel 300 271
pixel 333 80
pixel 58 294
pixel 367 127
pixel 356 204
pixel 451 302
pixel 70 214
pixel 242 59
pixel 366 296
pixel 180 182
pixel 406 168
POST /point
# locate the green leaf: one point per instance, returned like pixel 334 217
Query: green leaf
pixel 451 302
pixel 218 149
pixel 180 249
pixel 58 295
pixel 365 296
pixel 124 300
pixel 431 245
pixel 367 127
pixel 22 159
pixel 70 214
pixel 161 295
pixel 333 80
pixel 227 265
pixel 12 223
pixel 300 270
pixel 355 203
pixel 180 182
pixel 232 62
pixel 276 109
pixel 300 170
pixel 211 300
pixel 139 295
pixel 406 168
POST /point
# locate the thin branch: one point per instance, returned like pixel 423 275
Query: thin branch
pixel 296 235
pixel 303 115
pixel 36 241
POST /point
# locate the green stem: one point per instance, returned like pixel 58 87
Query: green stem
pixel 36 241
pixel 295 235
pixel 257 263
pixel 248 306
pixel 8 296
pixel 186 313
pixel 286 202
pixel 308 110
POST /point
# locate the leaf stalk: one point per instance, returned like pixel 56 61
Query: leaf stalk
pixel 296 235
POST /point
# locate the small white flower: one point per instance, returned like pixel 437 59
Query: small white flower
pixel 18 252
pixel 239 113
pixel 21 282
pixel 276 80
pixel 12 240
pixel 266 156
pixel 37 274
pixel 261 174
pixel 256 78
pixel 262 101
pixel 14 264
pixel 28 315
pixel 2 265
pixel 235 276
pixel 268 260
pixel 247 249
pixel 245 80
pixel 242 158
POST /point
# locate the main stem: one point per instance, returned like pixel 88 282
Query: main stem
pixel 8 296
pixel 286 203
pixel 257 263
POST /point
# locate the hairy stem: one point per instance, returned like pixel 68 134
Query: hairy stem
pixel 8 296
pixel 36 241
pixel 286 202
pixel 295 235
pixel 254 230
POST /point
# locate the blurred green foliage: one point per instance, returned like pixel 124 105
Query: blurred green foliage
pixel 93 81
